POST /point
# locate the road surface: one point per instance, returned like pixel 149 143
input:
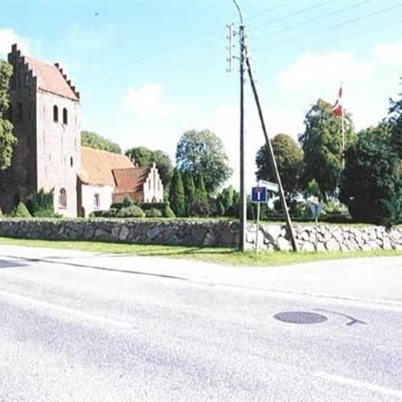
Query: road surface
pixel 81 331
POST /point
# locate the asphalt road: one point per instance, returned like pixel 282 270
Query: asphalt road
pixel 74 333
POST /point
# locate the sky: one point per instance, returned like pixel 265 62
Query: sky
pixel 150 70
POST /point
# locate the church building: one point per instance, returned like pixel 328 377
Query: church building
pixel 46 113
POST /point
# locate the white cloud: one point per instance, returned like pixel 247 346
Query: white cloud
pixel 7 38
pixel 333 67
pixel 390 53
pixel 146 102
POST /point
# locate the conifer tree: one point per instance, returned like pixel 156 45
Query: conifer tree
pixel 176 194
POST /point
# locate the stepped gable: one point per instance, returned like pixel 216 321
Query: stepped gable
pixel 50 78
pixel 130 180
pixel 97 166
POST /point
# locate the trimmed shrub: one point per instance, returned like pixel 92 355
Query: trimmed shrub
pixel 131 212
pixel 20 211
pixel 41 204
pixel 150 205
pixel 127 202
pixel 153 213
pixel 198 209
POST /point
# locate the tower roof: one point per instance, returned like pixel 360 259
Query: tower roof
pixel 51 79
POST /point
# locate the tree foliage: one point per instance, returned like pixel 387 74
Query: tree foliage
pixel 7 140
pixel 94 140
pixel 203 152
pixel 322 146
pixel 394 121
pixel 226 197
pixel 289 159
pixel 140 155
pixel 189 189
pixel 371 185
pixel 41 204
pixel 176 194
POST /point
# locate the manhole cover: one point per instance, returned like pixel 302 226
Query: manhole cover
pixel 300 317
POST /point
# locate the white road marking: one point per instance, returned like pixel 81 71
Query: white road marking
pixel 65 310
pixel 359 384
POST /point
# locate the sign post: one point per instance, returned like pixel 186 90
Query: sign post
pixel 316 208
pixel 258 195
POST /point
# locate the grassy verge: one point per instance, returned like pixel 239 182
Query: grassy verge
pixel 217 255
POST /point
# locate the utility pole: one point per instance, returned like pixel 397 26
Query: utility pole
pixel 243 193
pixel 272 157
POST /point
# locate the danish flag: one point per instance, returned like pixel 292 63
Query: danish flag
pixel 337 108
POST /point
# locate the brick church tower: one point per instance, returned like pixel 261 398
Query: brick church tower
pixel 45 112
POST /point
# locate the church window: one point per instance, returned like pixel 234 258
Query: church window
pixel 55 114
pixel 71 161
pixel 63 198
pixel 65 116
pixel 96 200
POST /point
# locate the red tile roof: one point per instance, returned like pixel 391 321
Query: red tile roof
pixel 97 166
pixel 130 180
pixel 51 79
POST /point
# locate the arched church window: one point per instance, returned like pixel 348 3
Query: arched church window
pixel 65 116
pixel 63 198
pixel 55 114
pixel 96 201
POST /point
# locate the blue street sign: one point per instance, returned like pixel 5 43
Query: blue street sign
pixel 259 194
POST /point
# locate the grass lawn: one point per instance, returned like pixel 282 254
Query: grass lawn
pixel 217 255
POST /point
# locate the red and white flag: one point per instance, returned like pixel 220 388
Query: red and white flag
pixel 337 108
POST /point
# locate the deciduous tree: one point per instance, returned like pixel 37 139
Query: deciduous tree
pixel 203 152
pixel 94 140
pixel 322 146
pixel 289 159
pixel 371 184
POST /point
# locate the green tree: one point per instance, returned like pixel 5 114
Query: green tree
pixel 140 155
pixel 41 204
pixel 289 159
pixel 226 199
pixel 189 189
pixel 394 120
pixel 176 194
pixel 201 194
pixel 202 151
pixel 94 140
pixel 322 146
pixel 143 156
pixel 165 167
pixel 7 139
pixel 371 184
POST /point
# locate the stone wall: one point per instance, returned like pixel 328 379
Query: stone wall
pixel 205 233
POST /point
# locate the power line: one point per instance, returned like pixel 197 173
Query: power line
pixel 338 25
pixel 310 20
pixel 299 12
